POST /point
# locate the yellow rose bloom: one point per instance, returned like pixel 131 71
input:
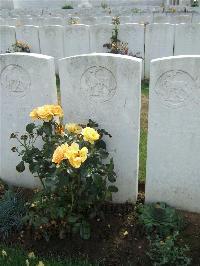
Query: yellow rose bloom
pixel 90 135
pixel 31 255
pixel 4 253
pixel 57 110
pixel 46 112
pixel 33 114
pixel 40 263
pixel 76 156
pixel 59 153
pixel 73 128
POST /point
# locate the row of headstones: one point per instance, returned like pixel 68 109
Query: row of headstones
pixel 107 89
pixel 150 42
pixel 89 20
pixel 117 9
pixel 86 3
pixel 120 11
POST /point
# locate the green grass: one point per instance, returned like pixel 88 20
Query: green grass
pixel 143 131
pixel 17 257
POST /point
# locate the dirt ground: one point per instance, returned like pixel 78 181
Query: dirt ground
pixel 116 240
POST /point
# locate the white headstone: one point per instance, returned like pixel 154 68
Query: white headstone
pixel 11 21
pixel 133 34
pixel 54 21
pixel 158 18
pixel 196 18
pixel 26 81
pixel 173 169
pixel 103 19
pixel 159 42
pixel 85 4
pixel 177 19
pixel 52 41
pixel 106 88
pixel 88 20
pixel 187 39
pixel 100 35
pixel 7 38
pixel 76 40
pixel 29 35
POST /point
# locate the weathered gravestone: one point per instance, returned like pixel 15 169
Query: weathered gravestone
pixel 100 35
pixel 159 42
pixel 29 35
pixel 54 21
pixel 133 35
pixel 52 41
pixel 7 38
pixel 187 39
pixel 26 81
pixel 173 169
pixel 106 88
pixel 76 40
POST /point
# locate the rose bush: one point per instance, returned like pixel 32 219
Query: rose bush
pixel 74 168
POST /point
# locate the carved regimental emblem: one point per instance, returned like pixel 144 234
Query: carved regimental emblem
pixel 15 80
pixel 174 88
pixel 98 83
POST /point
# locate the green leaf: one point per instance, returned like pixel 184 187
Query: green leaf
pixel 112 178
pixel 72 219
pixel 113 189
pixel 20 167
pixel 76 228
pixel 30 127
pixel 85 231
pixel 97 180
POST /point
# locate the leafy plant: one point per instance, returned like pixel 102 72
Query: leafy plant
pixel 195 3
pixel 136 10
pixel 74 168
pixel 104 5
pixel 12 210
pixel 115 46
pixel 73 21
pixel 19 46
pixel 67 6
pixel 166 252
pixel 159 218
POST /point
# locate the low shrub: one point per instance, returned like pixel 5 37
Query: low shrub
pixel 167 252
pixel 67 6
pixel 20 47
pixel 74 168
pixel 160 219
pixel 12 211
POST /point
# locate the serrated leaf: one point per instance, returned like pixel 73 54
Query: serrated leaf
pixel 30 127
pixel 20 167
pixel 113 189
pixel 85 231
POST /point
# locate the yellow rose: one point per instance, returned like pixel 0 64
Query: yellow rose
pixel 4 253
pixel 31 255
pixel 90 134
pixel 73 128
pixel 33 114
pixel 45 113
pixel 76 156
pixel 40 263
pixel 57 110
pixel 59 153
